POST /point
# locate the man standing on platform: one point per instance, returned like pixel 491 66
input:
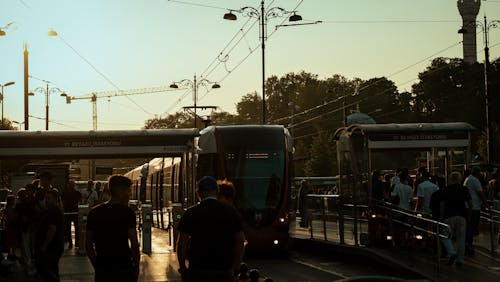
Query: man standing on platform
pixel 70 198
pixel 478 199
pixel 111 226
pixel 211 238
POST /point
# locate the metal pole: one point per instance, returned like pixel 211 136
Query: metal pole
pixel 26 95
pixel 2 104
pixel 263 44
pixel 195 88
pixel 489 142
pixel 47 108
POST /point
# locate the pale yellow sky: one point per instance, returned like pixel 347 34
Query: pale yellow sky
pixel 129 44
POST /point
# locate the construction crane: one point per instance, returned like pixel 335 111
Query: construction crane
pixel 108 94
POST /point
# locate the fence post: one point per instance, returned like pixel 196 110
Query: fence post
pixel 492 241
pixel 325 206
pixel 438 242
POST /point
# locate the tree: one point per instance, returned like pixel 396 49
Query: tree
pixel 178 120
pixel 7 125
pixel 249 109
pixel 323 160
pixel 450 90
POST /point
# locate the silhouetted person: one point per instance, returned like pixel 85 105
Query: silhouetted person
pixel 111 238
pixel 90 196
pixel 211 238
pixel 226 192
pixel 49 240
pixel 71 197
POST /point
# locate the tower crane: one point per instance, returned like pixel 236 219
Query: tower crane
pixel 108 94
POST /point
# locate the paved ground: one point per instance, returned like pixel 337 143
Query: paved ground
pixel 161 265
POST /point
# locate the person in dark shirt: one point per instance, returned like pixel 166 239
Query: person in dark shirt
pixel 454 212
pixel 111 226
pixel 377 186
pixel 211 238
pixel 26 210
pixel 70 199
pixel 49 241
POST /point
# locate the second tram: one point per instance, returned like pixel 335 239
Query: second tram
pixel 257 159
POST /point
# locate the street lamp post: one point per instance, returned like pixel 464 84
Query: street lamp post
pixel 263 17
pixel 19 123
pixel 47 92
pixel 485 27
pixel 2 94
pixel 194 84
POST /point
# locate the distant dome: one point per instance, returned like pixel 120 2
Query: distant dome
pixel 360 118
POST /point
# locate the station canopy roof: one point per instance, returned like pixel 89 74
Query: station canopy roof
pixel 96 144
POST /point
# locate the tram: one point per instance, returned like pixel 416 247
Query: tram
pixel 257 159
pixel 159 182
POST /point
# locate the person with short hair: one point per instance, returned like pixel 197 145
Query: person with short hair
pixel 226 192
pixel 211 238
pixel 70 198
pixel 478 199
pixel 425 189
pixel 90 196
pixel 49 239
pixel 453 212
pixel 403 191
pixel 111 238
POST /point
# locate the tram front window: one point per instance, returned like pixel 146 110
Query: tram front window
pixel 258 181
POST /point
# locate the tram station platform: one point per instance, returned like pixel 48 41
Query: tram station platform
pixel 484 265
pixel 161 265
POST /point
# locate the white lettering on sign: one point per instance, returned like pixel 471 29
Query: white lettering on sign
pixel 423 137
pixel 92 143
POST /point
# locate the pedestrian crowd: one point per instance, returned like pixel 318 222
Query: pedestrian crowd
pixel 36 223
pixel 457 202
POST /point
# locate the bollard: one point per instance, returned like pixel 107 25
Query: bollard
pixel 147 217
pixel 177 212
pixel 83 212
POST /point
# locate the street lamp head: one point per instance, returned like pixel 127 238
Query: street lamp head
pixel 8 83
pixel 174 86
pixel 462 30
pixel 31 94
pixel 215 85
pixel 2 33
pixel 230 16
pixel 52 32
pixel 295 18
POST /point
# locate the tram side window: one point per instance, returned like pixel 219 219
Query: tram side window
pixel 207 165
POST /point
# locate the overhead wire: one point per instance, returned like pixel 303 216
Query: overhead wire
pixel 366 86
pixel 381 114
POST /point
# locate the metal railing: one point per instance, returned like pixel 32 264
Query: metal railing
pixel 325 210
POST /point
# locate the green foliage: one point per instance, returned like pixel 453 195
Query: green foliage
pixel 7 125
pixel 448 90
pixel 323 156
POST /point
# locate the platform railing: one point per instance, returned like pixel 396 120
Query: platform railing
pixel 331 209
pixel 492 217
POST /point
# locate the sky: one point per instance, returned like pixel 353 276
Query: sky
pixel 118 45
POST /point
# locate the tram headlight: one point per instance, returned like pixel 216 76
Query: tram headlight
pixel 389 237
pixel 276 242
pixel 418 237
pixel 281 219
